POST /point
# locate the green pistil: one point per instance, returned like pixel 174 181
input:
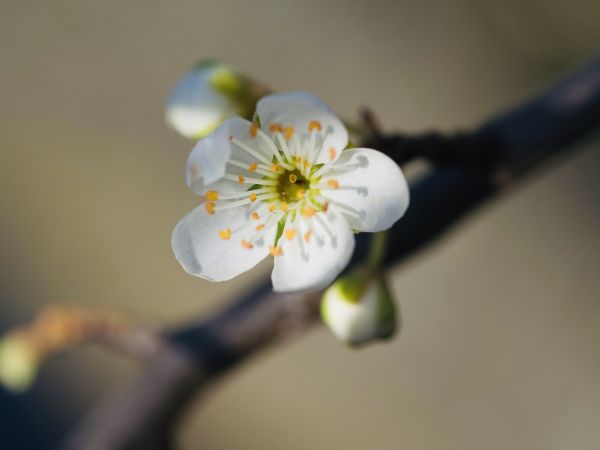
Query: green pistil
pixel 290 184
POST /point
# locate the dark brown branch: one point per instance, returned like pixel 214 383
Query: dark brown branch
pixel 469 168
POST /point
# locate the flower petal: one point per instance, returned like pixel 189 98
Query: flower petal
pixel 298 110
pixel 208 160
pixel 369 187
pixel 202 252
pixel 319 249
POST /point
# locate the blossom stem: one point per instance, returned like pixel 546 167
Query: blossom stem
pixel 377 250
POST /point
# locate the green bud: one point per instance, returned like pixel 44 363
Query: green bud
pixel 18 363
pixel 359 308
pixel 208 95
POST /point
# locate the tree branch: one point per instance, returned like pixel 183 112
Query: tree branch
pixel 469 168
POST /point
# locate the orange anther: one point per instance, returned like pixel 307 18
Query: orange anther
pixel 333 184
pixel 253 130
pixel 255 216
pixel 246 244
pixel 314 125
pixel 272 207
pixel 283 206
pixel 289 132
pixel 252 197
pixel 293 178
pixel 225 234
pixel 308 211
pixel 325 207
pixel 212 196
pixel 306 164
pixel 275 167
pixel 298 159
pixel 252 167
pixel 275 251
pixel 300 193
pixel 332 154
pixel 241 179
pixel 210 207
pixel 275 128
pixel 290 233
pixel 260 227
pixel 307 235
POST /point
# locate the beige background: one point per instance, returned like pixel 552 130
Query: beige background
pixel 501 318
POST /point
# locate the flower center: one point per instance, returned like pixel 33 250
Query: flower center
pixel 285 189
pixel 292 185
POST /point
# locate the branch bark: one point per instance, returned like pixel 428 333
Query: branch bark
pixel 468 169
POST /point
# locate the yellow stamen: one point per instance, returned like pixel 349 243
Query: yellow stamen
pixel 306 164
pixel 332 154
pixel 212 196
pixel 333 184
pixel 290 233
pixel 307 235
pixel 252 167
pixel 298 159
pixel 300 193
pixel 325 207
pixel 253 130
pixel 314 125
pixel 275 167
pixel 275 251
pixel 210 207
pixel 255 216
pixel 289 132
pixel 272 207
pixel 246 244
pixel 260 227
pixel 241 179
pixel 225 234
pixel 275 127
pixel 293 178
pixel 252 197
pixel 308 211
pixel 284 206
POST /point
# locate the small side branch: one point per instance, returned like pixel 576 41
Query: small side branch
pixel 56 329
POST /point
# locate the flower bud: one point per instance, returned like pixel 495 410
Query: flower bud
pixel 359 308
pixel 18 362
pixel 207 95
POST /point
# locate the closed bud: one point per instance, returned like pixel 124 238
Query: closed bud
pixel 209 94
pixel 359 308
pixel 18 362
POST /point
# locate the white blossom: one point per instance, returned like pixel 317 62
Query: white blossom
pixel 284 185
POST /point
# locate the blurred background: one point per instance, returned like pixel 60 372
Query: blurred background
pixel 501 336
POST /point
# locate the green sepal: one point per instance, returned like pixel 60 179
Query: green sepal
pixel 256 119
pixel 225 81
pixel 280 227
pixel 353 287
pixel 349 145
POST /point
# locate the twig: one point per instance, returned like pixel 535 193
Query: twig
pixel 470 168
